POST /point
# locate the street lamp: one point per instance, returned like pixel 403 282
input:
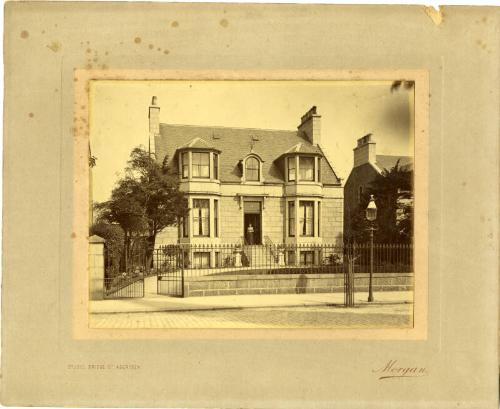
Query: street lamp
pixel 371 216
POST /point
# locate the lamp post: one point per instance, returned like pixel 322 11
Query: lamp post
pixel 371 216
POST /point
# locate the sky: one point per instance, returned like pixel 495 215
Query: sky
pixel 348 109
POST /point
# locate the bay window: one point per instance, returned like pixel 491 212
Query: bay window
pixel 201 164
pixel 201 217
pixel 216 166
pixel 216 218
pixel 291 219
pixel 306 218
pixel 185 164
pixel 306 167
pixel 291 169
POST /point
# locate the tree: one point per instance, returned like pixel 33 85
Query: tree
pixel 162 202
pixel 124 208
pixel 393 193
pixel 145 201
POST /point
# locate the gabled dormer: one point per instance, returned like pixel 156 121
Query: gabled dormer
pixel 302 164
pixel 198 160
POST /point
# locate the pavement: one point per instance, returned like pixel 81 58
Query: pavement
pixel 153 302
pixel 319 317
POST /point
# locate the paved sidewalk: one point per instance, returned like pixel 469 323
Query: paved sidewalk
pixel 157 303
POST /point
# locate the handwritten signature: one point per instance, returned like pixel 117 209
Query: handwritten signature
pixel 393 370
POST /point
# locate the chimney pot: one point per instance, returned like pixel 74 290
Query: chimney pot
pixel 365 151
pixel 154 100
pixel 310 125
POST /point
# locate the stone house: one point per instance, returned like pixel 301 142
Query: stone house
pixel 367 165
pixel 251 186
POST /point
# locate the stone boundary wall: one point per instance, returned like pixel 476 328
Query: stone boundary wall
pixel 291 283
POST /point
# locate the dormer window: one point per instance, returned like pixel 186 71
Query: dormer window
pixel 306 167
pixel 185 164
pixel 252 169
pixel 291 169
pixel 198 160
pixel 201 164
pixel 216 166
pixel 303 168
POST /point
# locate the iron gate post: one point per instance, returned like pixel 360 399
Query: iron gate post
pixel 182 272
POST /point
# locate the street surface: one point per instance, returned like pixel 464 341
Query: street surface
pixel 320 316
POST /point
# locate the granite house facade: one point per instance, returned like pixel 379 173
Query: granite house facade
pixel 251 186
pixel 367 166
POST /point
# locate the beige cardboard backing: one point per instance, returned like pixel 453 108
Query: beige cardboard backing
pixel 50 358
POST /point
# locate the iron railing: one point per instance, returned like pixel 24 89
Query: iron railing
pixel 228 259
pixel 124 286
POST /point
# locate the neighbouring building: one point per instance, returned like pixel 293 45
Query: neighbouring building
pixel 251 186
pixel 367 165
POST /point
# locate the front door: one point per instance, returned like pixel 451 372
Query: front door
pixel 252 223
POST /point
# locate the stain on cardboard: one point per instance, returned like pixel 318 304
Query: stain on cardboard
pixel 174 24
pixel 151 46
pixel 54 46
pixel 166 52
pixel 224 23
pixel 137 40
pixel 24 34
pixel 31 114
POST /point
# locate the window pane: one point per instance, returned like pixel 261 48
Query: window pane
pixel 291 169
pixel 216 166
pixel 185 164
pixel 201 167
pixel 201 260
pixel 252 169
pixel 216 218
pixel 306 218
pixel 291 219
pixel 319 218
pixel 306 166
pixel 201 217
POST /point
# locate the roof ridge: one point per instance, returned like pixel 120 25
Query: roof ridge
pixel 230 127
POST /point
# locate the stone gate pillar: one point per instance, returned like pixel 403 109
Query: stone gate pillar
pixel 96 267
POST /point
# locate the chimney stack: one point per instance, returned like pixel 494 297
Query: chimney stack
pixel 154 124
pixel 365 152
pixel 310 125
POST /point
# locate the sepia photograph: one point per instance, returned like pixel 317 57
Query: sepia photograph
pixel 251 204
pixel 229 205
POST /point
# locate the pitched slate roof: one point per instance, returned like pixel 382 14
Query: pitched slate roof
pixel 235 143
pixel 389 161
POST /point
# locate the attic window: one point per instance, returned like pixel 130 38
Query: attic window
pixel 306 168
pixel 252 169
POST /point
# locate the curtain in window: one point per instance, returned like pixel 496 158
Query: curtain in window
pixel 201 217
pixel 185 164
pixel 201 164
pixel 306 210
pixel 306 165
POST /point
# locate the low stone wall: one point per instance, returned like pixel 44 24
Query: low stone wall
pixel 291 283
